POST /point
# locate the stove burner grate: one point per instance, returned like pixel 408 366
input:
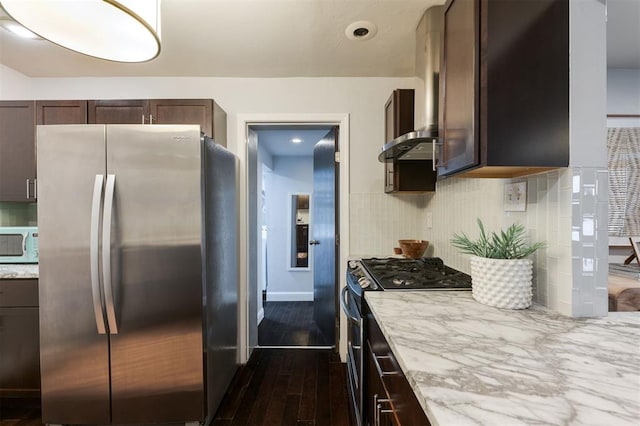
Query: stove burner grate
pixel 415 274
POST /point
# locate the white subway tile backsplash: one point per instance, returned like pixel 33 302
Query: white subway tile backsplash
pixel 566 208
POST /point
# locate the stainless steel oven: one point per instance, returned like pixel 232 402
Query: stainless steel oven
pixel 354 350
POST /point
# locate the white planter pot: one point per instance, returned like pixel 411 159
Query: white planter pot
pixel 503 283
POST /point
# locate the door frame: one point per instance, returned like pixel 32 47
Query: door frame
pixel 244 121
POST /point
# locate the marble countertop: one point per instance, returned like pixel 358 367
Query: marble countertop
pixel 470 364
pixel 18 271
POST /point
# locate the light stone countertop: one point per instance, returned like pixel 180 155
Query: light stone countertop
pixel 14 271
pixel 471 364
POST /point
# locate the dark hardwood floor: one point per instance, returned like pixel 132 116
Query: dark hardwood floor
pixel 20 412
pixel 290 324
pixel 289 387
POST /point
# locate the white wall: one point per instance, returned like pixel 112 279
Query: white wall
pixel 290 175
pixel 14 85
pixel 623 91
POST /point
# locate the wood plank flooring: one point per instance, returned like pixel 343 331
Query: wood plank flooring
pixel 20 412
pixel 290 324
pixel 289 387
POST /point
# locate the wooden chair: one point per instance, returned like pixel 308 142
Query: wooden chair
pixel 635 246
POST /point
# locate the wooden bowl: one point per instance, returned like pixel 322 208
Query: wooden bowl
pixel 413 249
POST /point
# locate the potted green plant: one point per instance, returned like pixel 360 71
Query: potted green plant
pixel 501 274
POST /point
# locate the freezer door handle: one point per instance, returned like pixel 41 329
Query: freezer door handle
pixel 106 253
pixel 94 237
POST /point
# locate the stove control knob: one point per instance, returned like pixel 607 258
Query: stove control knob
pixel 364 282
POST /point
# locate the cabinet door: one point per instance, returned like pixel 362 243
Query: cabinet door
pixel 183 111
pixel 61 112
pixel 19 351
pixel 460 87
pixel 17 150
pixel 120 111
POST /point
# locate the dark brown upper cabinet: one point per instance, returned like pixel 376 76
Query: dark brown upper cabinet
pixel 17 151
pixel 61 112
pixel 505 87
pixel 204 112
pixel 118 111
pixel 404 175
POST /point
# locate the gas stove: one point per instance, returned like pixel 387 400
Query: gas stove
pixel 429 273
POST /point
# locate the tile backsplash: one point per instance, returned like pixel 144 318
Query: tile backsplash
pixel 566 208
pixel 378 221
pixel 18 214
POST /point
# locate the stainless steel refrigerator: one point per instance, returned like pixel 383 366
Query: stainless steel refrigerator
pixel 138 273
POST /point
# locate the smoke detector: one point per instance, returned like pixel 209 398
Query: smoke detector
pixel 361 30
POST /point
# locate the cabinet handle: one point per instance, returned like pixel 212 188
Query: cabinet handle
pixel 433 155
pixel 377 403
pixel 142 118
pixel 35 189
pixel 381 372
pixel 150 119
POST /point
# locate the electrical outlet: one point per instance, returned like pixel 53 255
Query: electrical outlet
pixel 515 197
pixel 429 220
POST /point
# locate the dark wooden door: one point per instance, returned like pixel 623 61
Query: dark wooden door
pixel 183 111
pixel 61 112
pixel 460 88
pixel 324 229
pixel 17 151
pixel 118 111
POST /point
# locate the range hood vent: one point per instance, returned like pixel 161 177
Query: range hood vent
pixel 416 145
pixel 421 144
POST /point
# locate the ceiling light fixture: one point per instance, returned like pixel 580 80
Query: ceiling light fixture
pixel 361 30
pixel 17 29
pixel 121 31
pixel 296 140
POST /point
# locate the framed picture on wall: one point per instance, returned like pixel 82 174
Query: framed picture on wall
pixel 623 152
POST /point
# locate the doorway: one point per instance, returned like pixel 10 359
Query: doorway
pixel 292 175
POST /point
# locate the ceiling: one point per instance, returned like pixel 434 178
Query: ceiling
pixel 277 139
pixel 283 38
pixel 251 38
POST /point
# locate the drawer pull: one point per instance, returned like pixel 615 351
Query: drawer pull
pixel 377 403
pixel 381 372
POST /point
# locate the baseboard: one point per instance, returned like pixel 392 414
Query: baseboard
pixel 290 296
pixel 260 315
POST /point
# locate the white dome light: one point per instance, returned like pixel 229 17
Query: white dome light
pixel 121 31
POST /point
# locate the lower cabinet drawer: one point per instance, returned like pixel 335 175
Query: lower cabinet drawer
pixel 389 399
pixel 18 293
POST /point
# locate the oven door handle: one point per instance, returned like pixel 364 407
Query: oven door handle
pixel 345 307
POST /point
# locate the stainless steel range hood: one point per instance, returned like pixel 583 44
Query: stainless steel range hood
pixel 422 143
pixel 416 145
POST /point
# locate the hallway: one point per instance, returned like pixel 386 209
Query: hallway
pixel 289 324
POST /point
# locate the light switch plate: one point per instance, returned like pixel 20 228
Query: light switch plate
pixel 515 197
pixel 429 220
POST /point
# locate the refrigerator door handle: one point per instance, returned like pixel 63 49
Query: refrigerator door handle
pixel 93 253
pixel 106 253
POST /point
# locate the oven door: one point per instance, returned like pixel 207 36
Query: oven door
pixel 354 351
